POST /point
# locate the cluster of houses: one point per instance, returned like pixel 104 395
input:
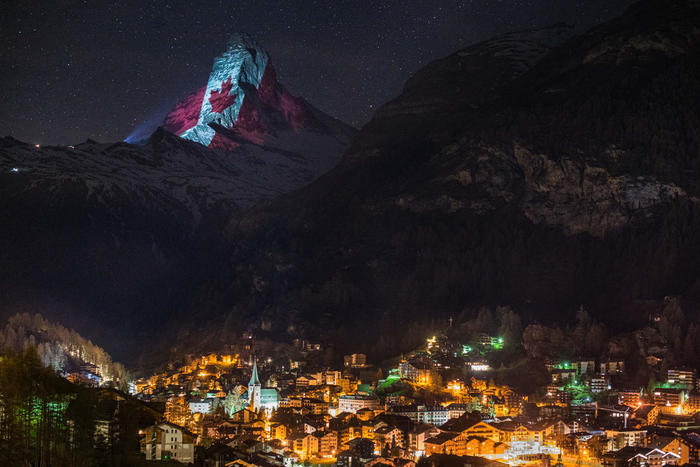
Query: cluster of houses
pixel 357 415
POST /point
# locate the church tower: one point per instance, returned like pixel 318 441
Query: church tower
pixel 254 387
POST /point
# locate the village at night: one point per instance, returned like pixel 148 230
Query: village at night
pixel 456 233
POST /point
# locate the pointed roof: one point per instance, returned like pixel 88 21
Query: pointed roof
pixel 254 381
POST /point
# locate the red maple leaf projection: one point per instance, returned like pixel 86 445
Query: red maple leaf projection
pixel 220 100
pixel 186 113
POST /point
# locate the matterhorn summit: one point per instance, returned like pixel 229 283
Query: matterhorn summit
pixel 133 217
pixel 243 104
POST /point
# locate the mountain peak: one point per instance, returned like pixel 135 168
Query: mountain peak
pixel 245 41
pixel 242 101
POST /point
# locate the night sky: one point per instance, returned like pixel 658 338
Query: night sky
pixel 99 69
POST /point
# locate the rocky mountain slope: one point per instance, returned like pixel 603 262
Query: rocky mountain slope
pixel 108 235
pixel 518 171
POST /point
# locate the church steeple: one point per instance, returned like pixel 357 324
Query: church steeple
pixel 254 388
pixel 254 381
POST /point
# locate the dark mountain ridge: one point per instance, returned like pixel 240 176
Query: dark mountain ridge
pixel 568 178
pixel 110 237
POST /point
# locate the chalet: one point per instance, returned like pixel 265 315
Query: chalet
pixel 419 370
pixel 244 416
pixel 306 446
pixel 622 438
pixel 640 456
pixel 165 441
pixel 655 458
pixel 388 437
pixel 462 444
pixel 417 437
pixel 687 446
pixel 328 444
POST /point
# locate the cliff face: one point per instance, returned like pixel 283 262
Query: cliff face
pixel 530 170
pixel 592 137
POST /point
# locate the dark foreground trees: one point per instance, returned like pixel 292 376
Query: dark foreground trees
pixel 47 421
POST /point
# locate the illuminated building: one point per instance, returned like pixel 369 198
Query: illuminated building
pixel 331 377
pixel 201 405
pixel 240 463
pixel 640 456
pixel 177 411
pixel 254 388
pixel 647 414
pixel 513 402
pixel 314 406
pixel 478 366
pixel 558 395
pixel 278 431
pixel 260 398
pixel 306 446
pixel 599 384
pixel 485 430
pixel 682 377
pixel 687 447
pixel 317 379
pixel 349 433
pixel 456 410
pixel 483 340
pixel 693 401
pixel 328 444
pixel 563 376
pixel 630 398
pixel 417 437
pixel 388 437
pixel 356 360
pixel 622 438
pixel 418 370
pixel 354 402
pixel 166 441
pixel 612 367
pixel 459 444
pixel 655 458
pixel 365 414
pixel 583 367
pixel 668 396
pixel 348 384
pixel 245 416
pixel 434 415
